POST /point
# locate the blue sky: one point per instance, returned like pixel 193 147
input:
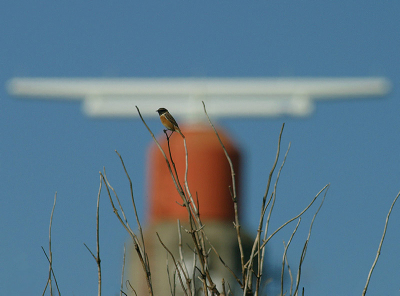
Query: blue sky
pixel 51 146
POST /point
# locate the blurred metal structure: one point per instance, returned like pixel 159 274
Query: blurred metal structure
pixel 117 97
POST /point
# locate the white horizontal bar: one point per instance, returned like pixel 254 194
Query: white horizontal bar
pixel 192 110
pixel 183 87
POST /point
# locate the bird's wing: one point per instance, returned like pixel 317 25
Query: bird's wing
pixel 171 119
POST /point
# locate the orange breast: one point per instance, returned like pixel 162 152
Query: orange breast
pixel 167 123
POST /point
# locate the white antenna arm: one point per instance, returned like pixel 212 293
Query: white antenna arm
pixel 116 97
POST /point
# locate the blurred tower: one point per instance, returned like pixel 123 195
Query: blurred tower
pixel 209 179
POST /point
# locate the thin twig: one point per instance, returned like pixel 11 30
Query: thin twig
pixel 123 271
pixel 132 198
pixel 128 284
pixel 142 256
pixel 134 208
pixel 274 192
pixel 116 197
pixel 50 257
pixel 52 272
pixel 264 205
pixel 97 257
pixel 290 275
pixel 380 245
pixel 172 287
pixel 294 218
pixel 303 254
pixel 165 156
pixel 98 239
pixel 285 252
pixel 247 276
pixel 180 247
pixel 223 262
pixel 233 191
pixel 176 266
pixel 261 258
pixel 194 273
pixel 223 287
pixel 50 252
pixel 172 161
pixel 283 225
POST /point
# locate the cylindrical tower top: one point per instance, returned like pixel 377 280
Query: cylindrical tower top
pixel 209 175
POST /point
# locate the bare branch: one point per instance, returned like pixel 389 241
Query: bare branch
pixel 178 187
pixel 97 257
pixel 123 271
pixel 247 276
pixel 142 256
pixel 132 198
pixel 262 251
pixel 290 275
pixel 90 251
pixel 172 286
pixel 197 232
pixel 143 245
pixel 380 245
pixel 294 218
pixel 285 252
pixel 303 254
pixel 180 247
pixel 52 272
pixel 176 266
pixel 50 257
pixel 128 284
pixel 233 193
pixel 172 161
pixel 223 263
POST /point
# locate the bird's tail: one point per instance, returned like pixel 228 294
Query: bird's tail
pixel 179 131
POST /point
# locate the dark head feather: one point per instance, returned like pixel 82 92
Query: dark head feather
pixel 161 111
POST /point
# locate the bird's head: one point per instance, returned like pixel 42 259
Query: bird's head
pixel 161 111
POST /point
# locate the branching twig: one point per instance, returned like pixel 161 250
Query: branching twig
pixel 50 257
pixel 234 196
pixel 133 200
pixel 303 253
pixel 380 245
pixel 128 285
pixel 178 188
pixel 284 254
pixel 143 245
pixel 196 227
pixel 52 272
pixel 247 276
pixel 199 237
pixel 294 218
pixel 178 269
pixel 172 286
pixel 136 242
pixel 262 251
pixel 223 263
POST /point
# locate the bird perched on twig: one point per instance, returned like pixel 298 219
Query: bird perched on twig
pixel 168 121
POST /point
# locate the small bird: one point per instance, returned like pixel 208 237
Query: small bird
pixel 168 121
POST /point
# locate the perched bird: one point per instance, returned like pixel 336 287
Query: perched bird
pixel 168 121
